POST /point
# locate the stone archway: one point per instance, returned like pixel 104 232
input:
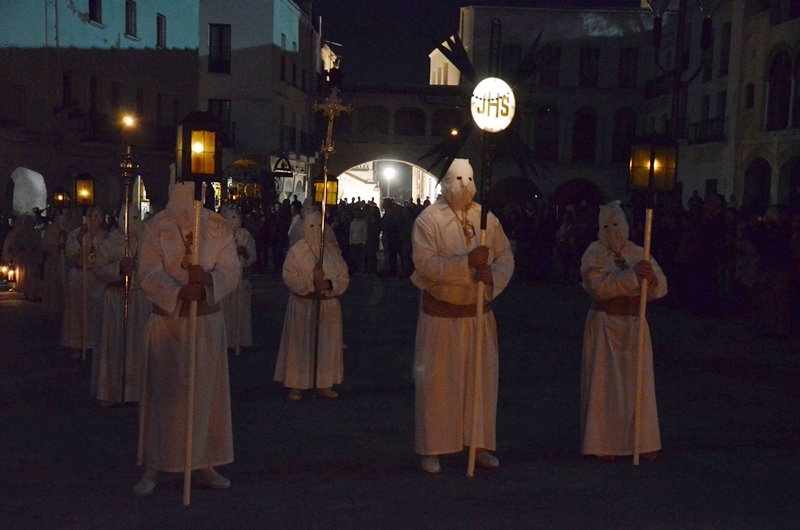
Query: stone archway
pixel 29 192
pixel 757 182
pixel 574 192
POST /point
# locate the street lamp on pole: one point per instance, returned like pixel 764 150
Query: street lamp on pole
pixel 389 173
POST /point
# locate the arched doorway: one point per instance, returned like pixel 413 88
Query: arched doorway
pixel 757 181
pixel 789 184
pixel 29 192
pixel 575 192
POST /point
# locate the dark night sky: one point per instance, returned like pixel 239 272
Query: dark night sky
pixel 384 41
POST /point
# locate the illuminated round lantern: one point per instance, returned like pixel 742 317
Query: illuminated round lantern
pixel 492 105
pixel 653 162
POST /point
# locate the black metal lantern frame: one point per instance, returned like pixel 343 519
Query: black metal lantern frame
pixel 61 199
pixel 197 151
pixel 333 190
pixel 84 191
pixel 653 164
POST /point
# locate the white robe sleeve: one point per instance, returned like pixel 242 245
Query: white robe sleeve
pixel 429 263
pixel 107 261
pixel 338 275
pixel 226 270
pixel 249 242
pixel 502 257
pixel 603 280
pixel 296 275
pixel 159 287
pixel 73 249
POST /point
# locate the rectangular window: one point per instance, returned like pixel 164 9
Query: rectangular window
pixel 66 88
pixel 294 74
pixel 445 72
pixel 115 95
pixel 159 109
pixel 750 96
pixel 722 103
pixel 283 68
pixel 140 103
pixel 283 42
pixel 725 50
pixel 628 65
pixel 709 64
pixel 92 95
pixel 303 80
pixel 219 48
pixel 551 65
pixel 589 66
pixel 705 107
pixel 161 31
pixel 96 11
pixel 130 18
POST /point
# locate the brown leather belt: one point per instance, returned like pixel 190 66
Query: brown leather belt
pixel 315 296
pixel 438 308
pixel 203 309
pixel 618 306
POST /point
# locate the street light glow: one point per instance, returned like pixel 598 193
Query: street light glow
pixel 389 173
pixel 128 121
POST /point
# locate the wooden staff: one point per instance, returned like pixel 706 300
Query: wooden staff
pixel 239 296
pixel 187 472
pixel 127 279
pixel 648 228
pixel 332 107
pixel 84 324
pixel 477 393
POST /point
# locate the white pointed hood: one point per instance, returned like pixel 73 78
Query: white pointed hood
pixel 311 227
pixel 458 186
pixel 181 199
pixel 232 215
pixel 135 223
pixel 614 229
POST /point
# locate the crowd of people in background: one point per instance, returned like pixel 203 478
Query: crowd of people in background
pixel 722 259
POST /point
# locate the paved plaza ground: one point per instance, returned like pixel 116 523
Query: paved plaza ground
pixel 728 407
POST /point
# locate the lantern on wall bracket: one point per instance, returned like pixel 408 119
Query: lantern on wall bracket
pixel 61 199
pixel 333 190
pixel 653 164
pixel 84 191
pixel 197 151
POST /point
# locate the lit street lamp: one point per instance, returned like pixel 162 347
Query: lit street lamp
pixel 389 173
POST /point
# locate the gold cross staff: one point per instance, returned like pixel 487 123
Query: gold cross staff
pixel 331 107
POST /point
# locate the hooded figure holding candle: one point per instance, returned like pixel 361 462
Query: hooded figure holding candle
pixel 449 262
pixel 613 269
pixel 171 282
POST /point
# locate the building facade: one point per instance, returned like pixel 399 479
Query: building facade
pixel 69 71
pixel 260 74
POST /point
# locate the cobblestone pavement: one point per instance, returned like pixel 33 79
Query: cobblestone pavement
pixel 728 406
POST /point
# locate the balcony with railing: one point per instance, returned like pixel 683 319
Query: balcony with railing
pixel 707 131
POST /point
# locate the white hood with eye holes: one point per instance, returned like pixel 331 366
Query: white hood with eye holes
pixel 614 229
pixel 458 186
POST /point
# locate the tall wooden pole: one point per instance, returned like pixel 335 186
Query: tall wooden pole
pixel 187 471
pixel 127 174
pixel 331 107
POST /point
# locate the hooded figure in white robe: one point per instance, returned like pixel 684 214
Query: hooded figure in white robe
pixel 54 280
pixel 81 251
pixel 170 281
pixel 236 307
pixel 306 283
pixel 612 270
pixel 448 263
pixel 29 247
pixel 111 267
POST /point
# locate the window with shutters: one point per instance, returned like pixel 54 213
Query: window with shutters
pixel 221 110
pixel 130 18
pixel 96 11
pixel 589 69
pixel 161 31
pixel 628 63
pixel 219 48
pixel 283 68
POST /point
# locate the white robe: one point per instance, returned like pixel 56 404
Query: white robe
pixel 72 323
pixel 445 347
pixel 162 419
pixel 238 303
pixel 610 349
pixel 107 357
pixel 54 282
pixel 296 351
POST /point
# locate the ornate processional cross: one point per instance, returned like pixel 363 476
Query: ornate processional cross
pixel 331 107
